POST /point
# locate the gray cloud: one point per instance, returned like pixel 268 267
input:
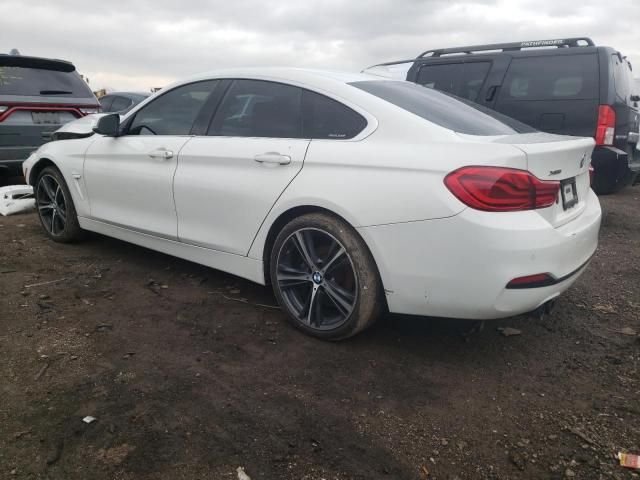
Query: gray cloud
pixel 125 44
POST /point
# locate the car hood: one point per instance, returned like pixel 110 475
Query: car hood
pixel 79 128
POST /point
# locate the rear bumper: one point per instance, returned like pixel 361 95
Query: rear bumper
pixel 460 266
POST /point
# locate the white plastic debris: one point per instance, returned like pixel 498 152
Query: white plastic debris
pixel 242 475
pixel 89 419
pixel 16 199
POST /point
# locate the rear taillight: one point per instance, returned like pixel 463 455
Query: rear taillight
pixel 532 281
pixel 606 129
pixel 498 189
pixel 89 111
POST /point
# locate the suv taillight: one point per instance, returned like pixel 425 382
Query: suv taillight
pixel 606 129
pixel 499 189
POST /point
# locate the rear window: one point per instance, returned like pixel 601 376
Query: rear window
pixel 443 109
pixel 37 82
pixel 568 77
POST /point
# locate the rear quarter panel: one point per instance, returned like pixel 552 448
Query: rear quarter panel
pixel 378 181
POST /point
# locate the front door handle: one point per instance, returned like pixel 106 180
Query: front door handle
pixel 273 158
pixel 162 153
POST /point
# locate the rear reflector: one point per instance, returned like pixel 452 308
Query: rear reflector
pixel 498 189
pixel 606 129
pixel 532 281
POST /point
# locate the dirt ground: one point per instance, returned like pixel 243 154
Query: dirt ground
pixel 190 373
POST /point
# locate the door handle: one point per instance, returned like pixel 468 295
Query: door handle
pixel 491 93
pixel 273 158
pixel 162 153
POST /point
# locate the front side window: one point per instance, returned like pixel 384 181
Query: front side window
pixel 174 112
pixel 256 108
pixel 329 119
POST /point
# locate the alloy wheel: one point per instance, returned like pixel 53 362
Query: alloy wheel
pixel 316 279
pixel 52 206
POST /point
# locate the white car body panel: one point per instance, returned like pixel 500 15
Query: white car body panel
pixel 130 188
pixel 213 204
pixel 238 192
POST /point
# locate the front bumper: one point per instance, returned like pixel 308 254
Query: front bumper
pixel 459 266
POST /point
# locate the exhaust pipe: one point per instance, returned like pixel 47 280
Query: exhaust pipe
pixel 544 309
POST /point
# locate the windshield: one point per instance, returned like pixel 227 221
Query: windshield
pixel 42 82
pixel 443 109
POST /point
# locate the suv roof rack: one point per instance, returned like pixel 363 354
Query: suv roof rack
pixel 560 43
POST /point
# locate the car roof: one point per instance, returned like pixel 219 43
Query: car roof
pixel 306 76
pixel 133 95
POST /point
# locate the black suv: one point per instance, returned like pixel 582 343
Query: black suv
pixel 37 96
pixel 567 86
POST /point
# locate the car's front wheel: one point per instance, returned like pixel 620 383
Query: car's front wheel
pixel 55 207
pixel 324 277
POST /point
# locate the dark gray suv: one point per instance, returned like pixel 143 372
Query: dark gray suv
pixel 37 96
pixel 566 86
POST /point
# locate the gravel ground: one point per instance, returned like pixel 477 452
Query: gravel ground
pixel 191 373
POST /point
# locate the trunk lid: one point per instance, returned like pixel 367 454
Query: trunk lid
pixel 559 158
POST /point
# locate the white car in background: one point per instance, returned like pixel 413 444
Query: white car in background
pixel 349 193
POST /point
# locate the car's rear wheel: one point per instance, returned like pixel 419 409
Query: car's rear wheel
pixel 55 206
pixel 324 277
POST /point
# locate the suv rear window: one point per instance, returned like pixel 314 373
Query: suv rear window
pixel 570 77
pixel 443 109
pixel 38 82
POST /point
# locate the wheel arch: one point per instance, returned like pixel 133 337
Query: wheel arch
pixel 294 212
pixel 40 165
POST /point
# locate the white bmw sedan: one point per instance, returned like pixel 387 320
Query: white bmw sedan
pixel 350 194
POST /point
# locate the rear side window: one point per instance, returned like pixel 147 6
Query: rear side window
pixel 568 77
pixel 256 108
pixel 461 79
pixel 622 77
pixel 174 112
pixel 38 82
pixel 442 109
pixel 327 118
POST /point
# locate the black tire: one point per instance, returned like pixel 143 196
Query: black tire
pixel 55 207
pixel 358 283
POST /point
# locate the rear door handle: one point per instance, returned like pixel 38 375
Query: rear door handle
pixel 273 158
pixel 162 153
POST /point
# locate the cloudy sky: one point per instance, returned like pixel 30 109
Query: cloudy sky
pixel 138 44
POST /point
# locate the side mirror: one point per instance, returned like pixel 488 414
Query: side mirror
pixel 635 98
pixel 109 125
